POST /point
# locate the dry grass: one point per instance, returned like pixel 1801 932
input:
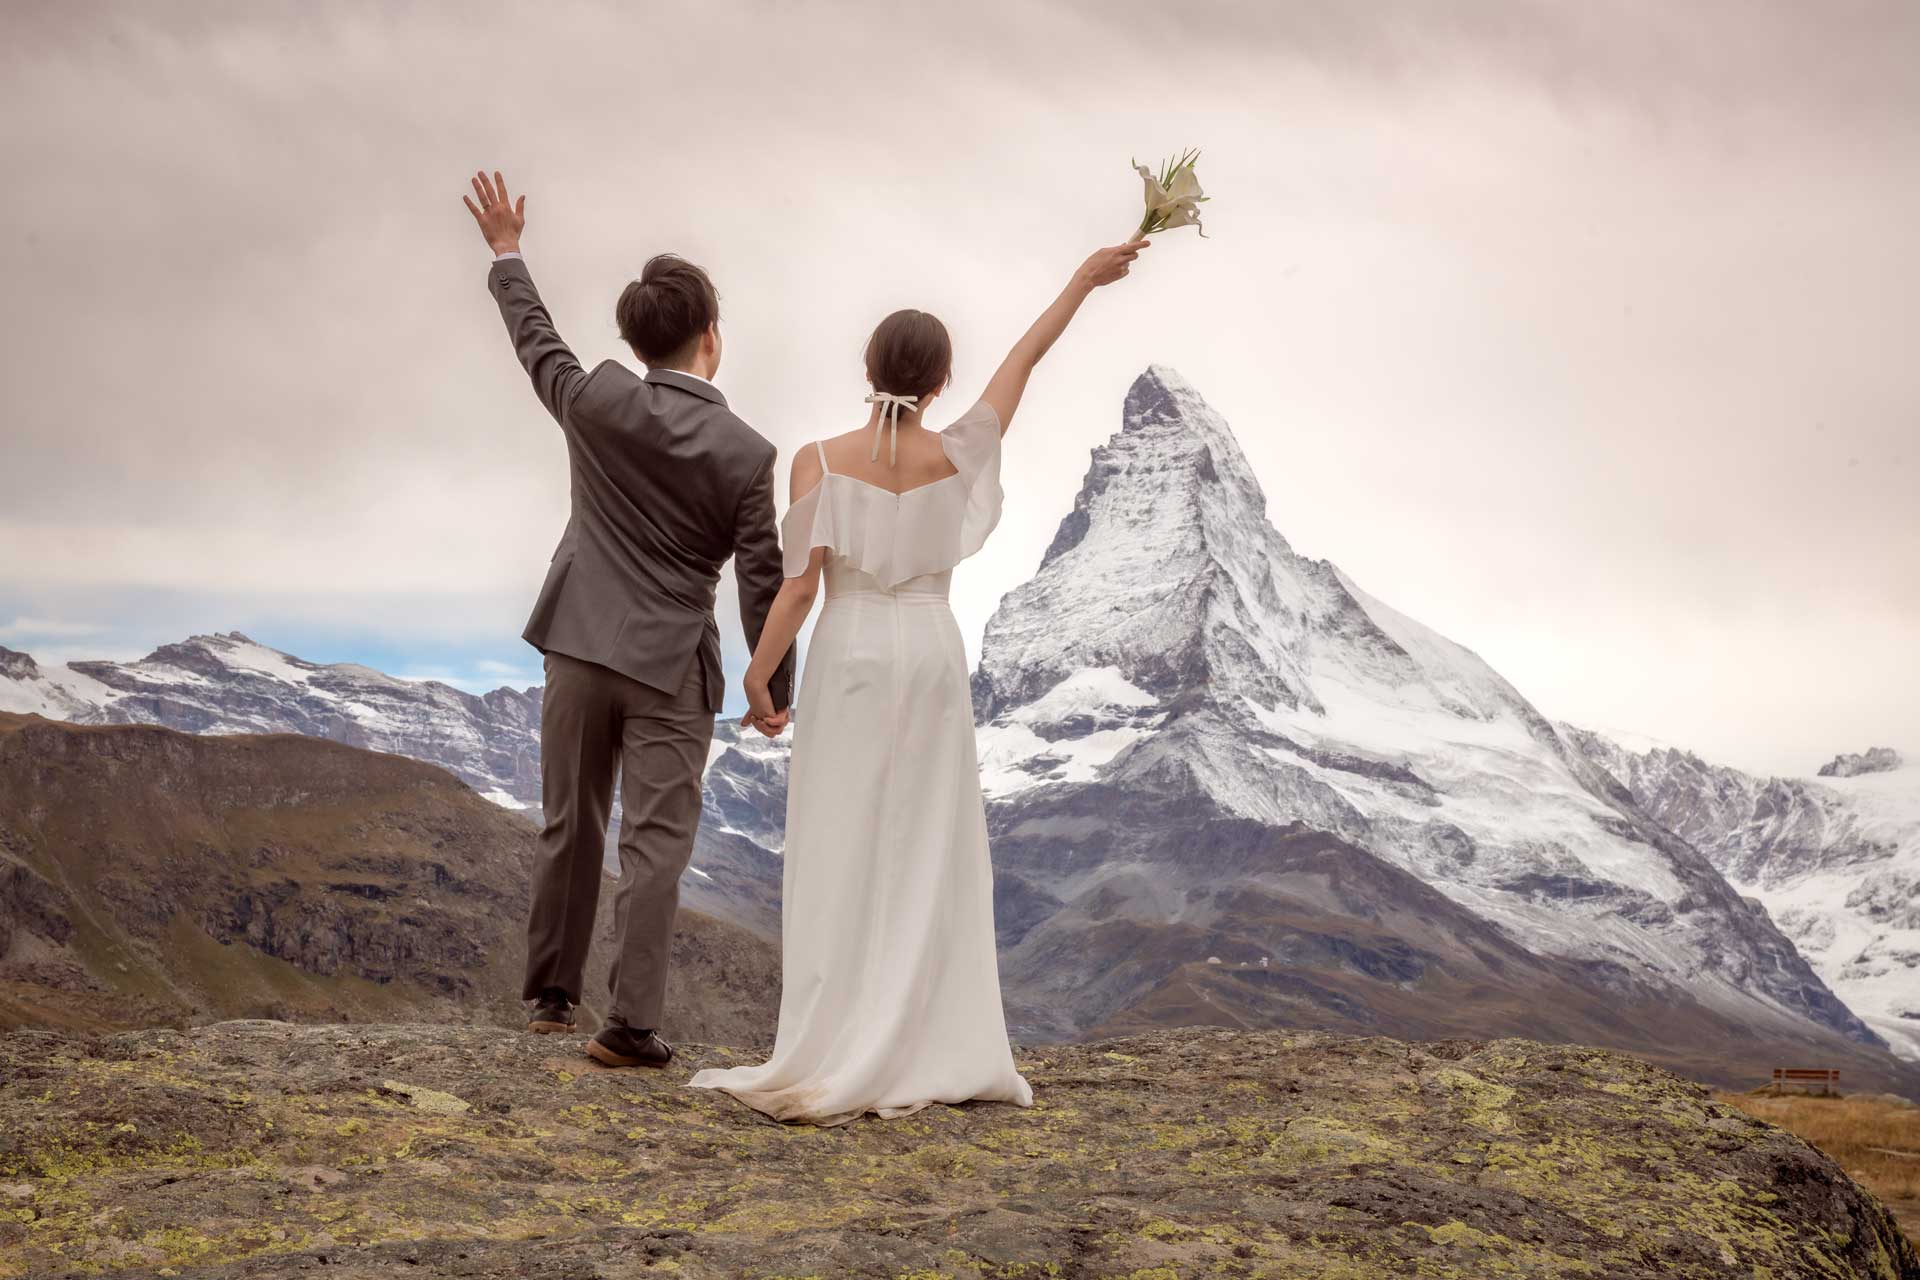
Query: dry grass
pixel 1875 1139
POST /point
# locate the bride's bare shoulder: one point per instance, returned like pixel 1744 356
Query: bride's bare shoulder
pixel 804 475
pixel 846 450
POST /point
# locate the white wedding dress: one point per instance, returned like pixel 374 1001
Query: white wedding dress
pixel 890 995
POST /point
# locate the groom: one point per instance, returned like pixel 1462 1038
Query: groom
pixel 667 484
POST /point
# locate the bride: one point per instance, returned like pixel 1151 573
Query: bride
pixel 890 998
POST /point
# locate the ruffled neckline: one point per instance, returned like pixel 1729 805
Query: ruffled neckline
pixel 909 536
pixel 878 488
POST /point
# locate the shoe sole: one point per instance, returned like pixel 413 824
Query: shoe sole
pixel 607 1057
pixel 548 1028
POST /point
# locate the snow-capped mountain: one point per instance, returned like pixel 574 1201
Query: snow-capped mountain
pixel 1834 857
pixel 227 683
pixel 1175 663
pixel 736 867
pixel 1225 786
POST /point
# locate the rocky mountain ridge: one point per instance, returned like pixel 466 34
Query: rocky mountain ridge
pixel 155 877
pixel 226 683
pixel 1834 858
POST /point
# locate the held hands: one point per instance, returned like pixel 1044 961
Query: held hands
pixel 1108 265
pixel 500 220
pixel 760 712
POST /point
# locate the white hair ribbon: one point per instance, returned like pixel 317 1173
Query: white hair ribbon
pixel 890 406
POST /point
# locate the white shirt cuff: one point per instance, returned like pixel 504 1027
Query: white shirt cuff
pixel 511 253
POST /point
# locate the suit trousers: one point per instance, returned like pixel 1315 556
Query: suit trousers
pixel 595 722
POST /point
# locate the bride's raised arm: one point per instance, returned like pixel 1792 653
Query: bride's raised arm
pixel 1009 382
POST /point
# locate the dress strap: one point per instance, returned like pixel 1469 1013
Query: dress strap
pixel 822 451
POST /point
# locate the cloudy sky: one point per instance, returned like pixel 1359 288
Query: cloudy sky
pixel 1582 332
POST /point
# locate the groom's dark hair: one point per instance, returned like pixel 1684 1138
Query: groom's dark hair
pixel 663 313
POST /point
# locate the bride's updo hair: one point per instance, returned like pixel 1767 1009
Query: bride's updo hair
pixel 909 354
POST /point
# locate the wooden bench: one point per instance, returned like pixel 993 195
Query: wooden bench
pixel 1806 1080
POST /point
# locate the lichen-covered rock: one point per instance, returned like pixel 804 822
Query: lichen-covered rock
pixel 259 1148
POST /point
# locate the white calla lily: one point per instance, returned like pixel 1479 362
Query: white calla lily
pixel 1156 194
pixel 1184 214
pixel 1173 196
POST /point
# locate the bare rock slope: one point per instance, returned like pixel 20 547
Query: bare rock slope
pixel 153 876
pixel 264 1149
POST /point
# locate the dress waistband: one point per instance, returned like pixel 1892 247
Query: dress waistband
pixel 900 597
pixel 845 580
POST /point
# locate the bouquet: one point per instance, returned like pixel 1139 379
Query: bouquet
pixel 1173 198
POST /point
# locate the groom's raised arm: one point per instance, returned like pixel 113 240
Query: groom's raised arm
pixel 557 375
pixel 758 572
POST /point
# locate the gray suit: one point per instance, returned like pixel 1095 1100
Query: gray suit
pixel 667 485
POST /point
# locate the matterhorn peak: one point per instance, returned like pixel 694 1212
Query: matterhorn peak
pixel 1165 570
pixel 1173 646
pixel 1169 572
pixel 1158 383
pixel 1166 424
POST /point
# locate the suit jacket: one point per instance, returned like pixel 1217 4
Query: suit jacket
pixel 667 484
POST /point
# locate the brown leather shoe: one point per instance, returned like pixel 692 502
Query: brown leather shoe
pixel 553 1013
pixel 618 1046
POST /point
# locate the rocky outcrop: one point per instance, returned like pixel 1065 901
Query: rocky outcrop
pixel 259 1149
pixel 1872 760
pixel 15 665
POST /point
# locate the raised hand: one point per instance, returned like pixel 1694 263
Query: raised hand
pixel 1109 264
pixel 500 220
